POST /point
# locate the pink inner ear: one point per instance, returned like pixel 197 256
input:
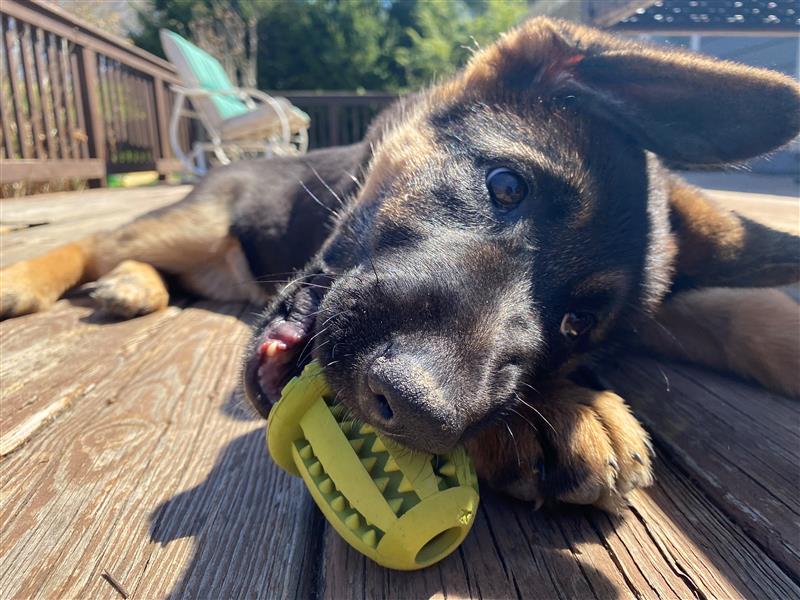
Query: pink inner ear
pixel 562 67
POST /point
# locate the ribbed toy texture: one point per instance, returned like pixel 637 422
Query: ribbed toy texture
pixel 405 510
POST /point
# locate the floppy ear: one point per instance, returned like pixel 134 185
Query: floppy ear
pixel 717 247
pixel 683 106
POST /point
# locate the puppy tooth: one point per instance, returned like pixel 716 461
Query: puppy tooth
pixel 272 347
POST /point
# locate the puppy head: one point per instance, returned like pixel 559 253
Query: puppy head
pixel 512 220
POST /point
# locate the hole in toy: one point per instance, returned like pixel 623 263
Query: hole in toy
pixel 439 545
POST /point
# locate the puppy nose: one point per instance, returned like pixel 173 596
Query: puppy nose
pixel 399 391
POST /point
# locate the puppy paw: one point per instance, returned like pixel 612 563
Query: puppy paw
pixel 130 290
pixel 597 451
pixel 22 293
pixel 570 444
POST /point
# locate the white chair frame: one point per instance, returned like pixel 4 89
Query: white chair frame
pixel 195 160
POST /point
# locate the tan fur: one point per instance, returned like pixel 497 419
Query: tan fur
pixel 33 285
pixel 752 332
pixel 190 240
pixel 131 289
pixel 226 277
pixel 708 232
pixel 598 444
pixel 174 240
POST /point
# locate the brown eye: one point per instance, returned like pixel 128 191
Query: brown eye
pixel 574 325
pixel 506 187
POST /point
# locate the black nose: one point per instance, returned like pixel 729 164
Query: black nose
pixel 396 391
pixel 404 398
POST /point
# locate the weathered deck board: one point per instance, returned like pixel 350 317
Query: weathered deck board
pixel 148 431
pixel 672 543
pixel 34 225
pixel 740 443
pixel 38 386
pixel 135 456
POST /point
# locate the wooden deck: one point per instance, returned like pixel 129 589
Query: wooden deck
pixel 128 451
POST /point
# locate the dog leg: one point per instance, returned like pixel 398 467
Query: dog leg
pixel 34 285
pixel 570 444
pixel 189 239
pixel 131 289
pixel 752 332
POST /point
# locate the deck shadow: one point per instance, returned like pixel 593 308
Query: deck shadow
pixel 257 533
pixel 255 530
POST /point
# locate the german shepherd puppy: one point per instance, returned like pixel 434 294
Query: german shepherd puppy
pixel 491 238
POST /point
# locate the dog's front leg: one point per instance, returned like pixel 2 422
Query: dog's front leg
pixel 566 443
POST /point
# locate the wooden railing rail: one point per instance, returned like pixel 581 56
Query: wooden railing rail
pixel 77 102
pixel 338 117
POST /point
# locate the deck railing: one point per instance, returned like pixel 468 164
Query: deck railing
pixel 338 117
pixel 76 102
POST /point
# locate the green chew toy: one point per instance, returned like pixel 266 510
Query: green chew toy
pixel 405 510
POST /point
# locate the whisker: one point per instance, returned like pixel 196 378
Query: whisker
pixel 523 417
pixel 536 410
pixel 308 349
pixel 317 200
pixel 514 441
pixel 327 187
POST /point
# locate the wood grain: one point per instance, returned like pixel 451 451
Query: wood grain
pixel 738 442
pixel 672 543
pixel 150 479
pixel 130 452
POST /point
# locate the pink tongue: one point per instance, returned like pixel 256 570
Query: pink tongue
pixel 275 353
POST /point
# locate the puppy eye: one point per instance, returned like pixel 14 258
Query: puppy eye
pixel 506 187
pixel 574 325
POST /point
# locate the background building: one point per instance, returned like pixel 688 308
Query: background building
pixel 761 33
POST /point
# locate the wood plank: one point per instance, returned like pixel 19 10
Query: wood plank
pixel 5 110
pixel 34 94
pixel 672 543
pixel 45 94
pixel 81 214
pixel 35 350
pixel 56 87
pixel 738 442
pixel 17 92
pixel 162 115
pixel 65 207
pixel 42 170
pixel 82 132
pixel 69 98
pixel 93 104
pixel 84 35
pixel 153 477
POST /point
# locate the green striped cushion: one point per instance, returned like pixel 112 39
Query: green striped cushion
pixel 211 77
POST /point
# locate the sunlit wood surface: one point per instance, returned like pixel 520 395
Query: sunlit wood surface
pixel 128 450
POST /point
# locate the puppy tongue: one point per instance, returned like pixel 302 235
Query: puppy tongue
pixel 275 353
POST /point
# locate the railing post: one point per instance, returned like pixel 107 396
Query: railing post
pixel 333 123
pixel 91 107
pixel 162 117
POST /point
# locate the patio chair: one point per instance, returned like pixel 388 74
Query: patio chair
pixel 238 121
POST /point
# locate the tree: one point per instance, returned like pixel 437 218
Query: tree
pixel 393 45
pixel 444 34
pixel 226 29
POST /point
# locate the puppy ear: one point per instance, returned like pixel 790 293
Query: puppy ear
pixel 717 247
pixel 685 107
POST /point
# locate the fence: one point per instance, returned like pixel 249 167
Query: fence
pixel 338 117
pixel 76 102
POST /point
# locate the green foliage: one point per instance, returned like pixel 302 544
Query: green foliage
pixel 392 45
